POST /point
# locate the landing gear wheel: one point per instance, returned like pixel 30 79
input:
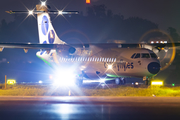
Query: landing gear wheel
pixel 117 81
pixel 123 81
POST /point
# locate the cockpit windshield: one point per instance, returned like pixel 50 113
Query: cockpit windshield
pixel 137 55
pixel 145 55
pixel 133 55
pixel 153 55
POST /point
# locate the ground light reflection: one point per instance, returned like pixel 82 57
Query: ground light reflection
pixel 64 111
pixel 79 111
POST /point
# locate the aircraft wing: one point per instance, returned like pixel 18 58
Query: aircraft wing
pixel 33 46
pixel 73 46
pixel 26 46
pixel 127 45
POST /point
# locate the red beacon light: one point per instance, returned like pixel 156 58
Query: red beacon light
pixel 88 1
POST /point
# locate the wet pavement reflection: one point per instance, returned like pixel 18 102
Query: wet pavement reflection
pixel 105 111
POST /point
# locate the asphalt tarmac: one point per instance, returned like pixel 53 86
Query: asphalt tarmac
pixel 89 108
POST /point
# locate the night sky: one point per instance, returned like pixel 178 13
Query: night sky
pixel 164 13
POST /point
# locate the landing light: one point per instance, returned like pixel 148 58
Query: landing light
pixel 102 80
pixel 136 83
pixel 109 66
pixel 65 77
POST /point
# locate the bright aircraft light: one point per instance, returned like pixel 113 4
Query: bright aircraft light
pixel 109 66
pixel 30 12
pixel 64 77
pixel 60 12
pixel 102 80
pixel 43 3
pixel 136 83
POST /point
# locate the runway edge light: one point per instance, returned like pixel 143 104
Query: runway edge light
pixel 11 81
pixel 157 83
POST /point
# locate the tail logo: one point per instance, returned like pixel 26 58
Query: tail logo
pixel 51 37
pixel 45 25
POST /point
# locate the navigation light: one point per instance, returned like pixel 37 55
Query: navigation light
pixel 60 12
pixel 30 12
pixel 43 3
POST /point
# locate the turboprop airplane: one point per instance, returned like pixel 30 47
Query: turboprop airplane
pixel 92 61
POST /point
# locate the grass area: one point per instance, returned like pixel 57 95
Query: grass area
pixel 37 90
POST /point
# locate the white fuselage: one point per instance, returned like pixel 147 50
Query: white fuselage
pixel 95 61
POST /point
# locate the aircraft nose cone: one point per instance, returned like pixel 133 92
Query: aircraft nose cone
pixel 153 67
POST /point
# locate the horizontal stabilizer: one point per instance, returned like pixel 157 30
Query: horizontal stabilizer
pixel 37 12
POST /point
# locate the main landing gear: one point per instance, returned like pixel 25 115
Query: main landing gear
pixel 120 81
pixel 146 82
pixel 79 81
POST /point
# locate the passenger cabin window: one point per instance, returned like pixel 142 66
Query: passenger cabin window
pixel 153 55
pixel 133 55
pixel 137 55
pixel 145 55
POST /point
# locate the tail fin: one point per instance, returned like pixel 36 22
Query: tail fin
pixel 47 34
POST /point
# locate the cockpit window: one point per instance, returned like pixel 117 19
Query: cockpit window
pixel 137 55
pixel 145 55
pixel 153 55
pixel 133 55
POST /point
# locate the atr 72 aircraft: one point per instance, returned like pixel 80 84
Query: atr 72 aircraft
pixel 92 61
